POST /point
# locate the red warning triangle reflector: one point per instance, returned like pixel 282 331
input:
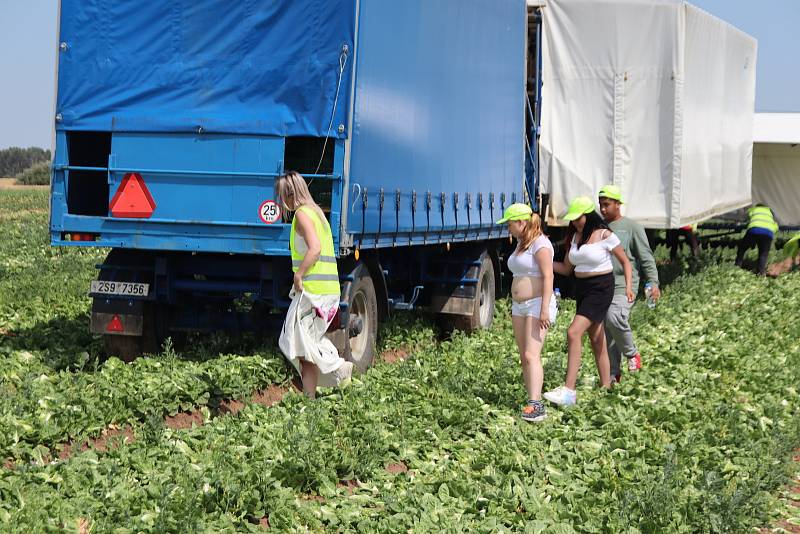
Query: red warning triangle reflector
pixel 115 325
pixel 132 199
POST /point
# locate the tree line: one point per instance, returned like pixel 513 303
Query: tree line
pixel 15 160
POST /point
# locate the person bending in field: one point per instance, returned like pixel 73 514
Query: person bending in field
pixel 689 234
pixel 534 306
pixel 315 291
pixel 592 246
pixel 761 230
pixel 619 336
pixel 791 258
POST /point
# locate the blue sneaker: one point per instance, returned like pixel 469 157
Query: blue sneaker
pixel 534 411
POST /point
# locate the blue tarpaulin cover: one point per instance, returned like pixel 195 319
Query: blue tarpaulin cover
pixel 245 66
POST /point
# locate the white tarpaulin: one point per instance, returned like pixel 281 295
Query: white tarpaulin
pixel 654 96
pixel 776 180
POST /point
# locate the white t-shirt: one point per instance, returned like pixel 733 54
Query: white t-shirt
pixel 524 263
pixel 593 257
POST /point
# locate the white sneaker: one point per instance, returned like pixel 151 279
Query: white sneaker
pixel 563 396
pixel 344 374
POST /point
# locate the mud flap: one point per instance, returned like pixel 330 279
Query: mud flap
pixel 453 305
pixel 117 317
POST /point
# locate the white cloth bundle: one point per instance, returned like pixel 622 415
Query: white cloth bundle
pixel 303 334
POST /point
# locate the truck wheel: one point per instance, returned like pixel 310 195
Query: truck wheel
pixel 362 327
pixel 483 306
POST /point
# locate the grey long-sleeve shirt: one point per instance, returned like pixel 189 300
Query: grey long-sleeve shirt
pixel 634 242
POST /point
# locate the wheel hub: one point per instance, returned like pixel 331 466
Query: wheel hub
pixel 355 326
pixel 358 327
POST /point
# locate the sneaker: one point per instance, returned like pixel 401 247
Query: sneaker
pixel 563 396
pixel 344 374
pixel 534 411
pixel 616 379
pixel 635 363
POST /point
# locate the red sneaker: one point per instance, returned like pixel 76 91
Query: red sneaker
pixel 635 363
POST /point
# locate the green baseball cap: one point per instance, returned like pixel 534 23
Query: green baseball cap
pixel 611 191
pixel 516 212
pixel 579 206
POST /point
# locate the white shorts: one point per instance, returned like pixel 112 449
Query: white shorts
pixel 532 307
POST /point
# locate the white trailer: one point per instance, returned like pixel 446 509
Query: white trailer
pixel 656 96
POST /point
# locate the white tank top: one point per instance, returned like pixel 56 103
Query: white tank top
pixel 524 263
pixel 593 257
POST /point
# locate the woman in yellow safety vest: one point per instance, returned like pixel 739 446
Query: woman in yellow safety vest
pixel 315 290
pixel 761 230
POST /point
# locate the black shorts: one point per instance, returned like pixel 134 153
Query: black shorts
pixel 593 296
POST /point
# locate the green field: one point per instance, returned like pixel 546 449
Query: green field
pixel 700 441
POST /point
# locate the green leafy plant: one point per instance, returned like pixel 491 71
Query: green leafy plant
pixel 697 442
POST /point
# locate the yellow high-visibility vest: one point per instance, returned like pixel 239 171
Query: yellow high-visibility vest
pixel 792 247
pixel 323 277
pixel 761 217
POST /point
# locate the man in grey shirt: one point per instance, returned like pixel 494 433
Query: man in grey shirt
pixel 634 241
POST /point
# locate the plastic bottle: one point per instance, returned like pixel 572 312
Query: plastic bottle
pixel 557 294
pixel 648 293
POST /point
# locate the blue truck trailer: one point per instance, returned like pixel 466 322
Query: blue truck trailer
pixel 413 122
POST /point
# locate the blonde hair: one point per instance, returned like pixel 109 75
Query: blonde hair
pixel 532 230
pixel 293 193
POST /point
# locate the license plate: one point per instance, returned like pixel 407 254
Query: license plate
pixel 126 289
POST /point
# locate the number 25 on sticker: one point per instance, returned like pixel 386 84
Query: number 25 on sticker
pixel 269 211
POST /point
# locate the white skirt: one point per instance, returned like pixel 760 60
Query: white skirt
pixel 303 334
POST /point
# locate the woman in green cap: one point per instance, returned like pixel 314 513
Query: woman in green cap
pixel 534 307
pixel 592 245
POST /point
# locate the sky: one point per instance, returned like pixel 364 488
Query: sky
pixel 28 50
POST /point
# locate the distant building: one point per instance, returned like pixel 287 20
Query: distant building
pixel 776 165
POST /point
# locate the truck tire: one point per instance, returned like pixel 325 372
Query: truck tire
pixel 363 319
pixel 483 306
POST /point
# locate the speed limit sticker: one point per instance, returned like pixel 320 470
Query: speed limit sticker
pixel 269 211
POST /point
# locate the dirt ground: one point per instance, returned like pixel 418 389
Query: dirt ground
pixel 395 355
pixel 269 396
pixel 397 468
pixel 184 420
pixel 789 521
pixel 8 183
